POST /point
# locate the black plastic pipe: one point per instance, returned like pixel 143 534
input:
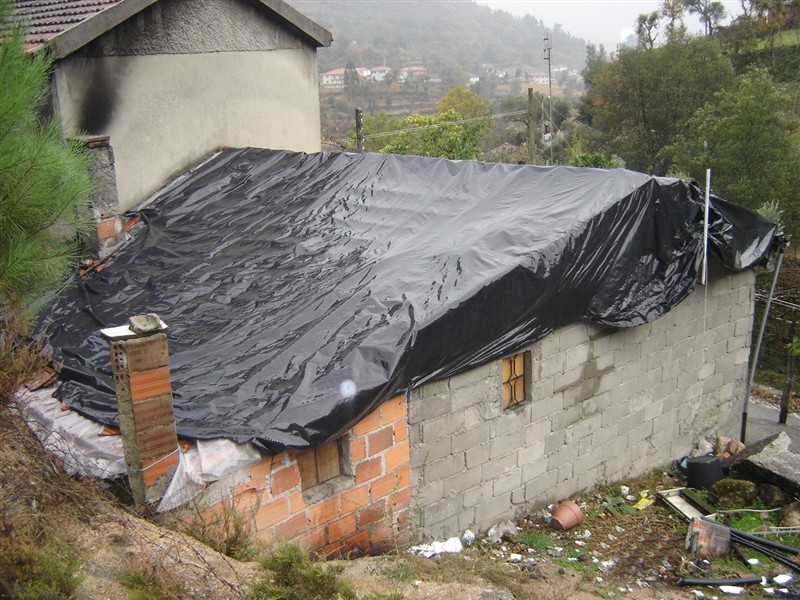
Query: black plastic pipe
pixel 740 581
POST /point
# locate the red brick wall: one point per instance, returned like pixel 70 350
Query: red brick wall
pixel 369 512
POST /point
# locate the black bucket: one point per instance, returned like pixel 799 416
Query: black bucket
pixel 703 471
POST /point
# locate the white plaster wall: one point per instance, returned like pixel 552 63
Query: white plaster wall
pixel 165 113
pixel 605 404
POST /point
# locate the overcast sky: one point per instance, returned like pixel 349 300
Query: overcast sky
pixel 606 22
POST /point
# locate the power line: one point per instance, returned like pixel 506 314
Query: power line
pixel 433 125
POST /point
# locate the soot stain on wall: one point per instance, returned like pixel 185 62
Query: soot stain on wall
pixel 99 101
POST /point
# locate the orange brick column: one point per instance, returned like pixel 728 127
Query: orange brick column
pixel 140 362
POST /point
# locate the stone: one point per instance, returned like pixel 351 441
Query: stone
pixel 774 464
pixel 790 515
pixel 773 496
pixel 733 492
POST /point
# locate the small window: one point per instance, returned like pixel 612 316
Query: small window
pixel 514 380
pixel 319 464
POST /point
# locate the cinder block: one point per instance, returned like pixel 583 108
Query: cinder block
pixel 577 356
pixel 604 434
pixel 430 493
pixel 566 417
pixel 471 437
pixel 440 469
pixel 429 407
pixel 547 406
pixel 509 422
pixel 568 378
pixel 536 489
pixel 499 466
pixel 553 365
pixel 441 510
pixel 468 378
pixel 642 432
pixel 548 346
pixel 537 431
pixel 479 494
pixel 477 455
pixel 572 335
pixel 497 509
pixel 457 484
pixel 586 427
pixel 565 455
pixel 554 441
pixel 440 427
pixel 531 452
pixel 534 469
pixel 506 443
pixel 579 393
pixel 435 388
pixel 508 482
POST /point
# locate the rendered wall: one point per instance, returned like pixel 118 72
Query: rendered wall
pixel 365 510
pixel 606 404
pixel 184 78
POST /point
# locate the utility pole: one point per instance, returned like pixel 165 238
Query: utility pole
pixel 547 51
pixel 360 130
pixel 531 130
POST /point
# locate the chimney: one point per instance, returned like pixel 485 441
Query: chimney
pixel 140 362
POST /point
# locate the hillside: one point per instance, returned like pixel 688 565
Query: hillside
pixel 436 35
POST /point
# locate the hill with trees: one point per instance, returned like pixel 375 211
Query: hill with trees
pixel 441 36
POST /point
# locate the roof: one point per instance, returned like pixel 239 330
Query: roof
pixel 65 26
pixel 303 290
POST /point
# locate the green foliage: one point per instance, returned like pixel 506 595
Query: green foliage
pixel 643 99
pixel 146 581
pixel 227 531
pixel 749 140
pixel 439 136
pixel 289 574
pixel 43 182
pixel 597 160
pixel 31 571
pixel 536 540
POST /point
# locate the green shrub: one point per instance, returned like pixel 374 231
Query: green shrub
pixel 32 571
pixel 289 574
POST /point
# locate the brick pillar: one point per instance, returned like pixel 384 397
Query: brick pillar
pixel 105 199
pixel 140 362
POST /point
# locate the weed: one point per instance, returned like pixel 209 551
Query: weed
pixel 31 570
pixel 400 570
pixel 19 359
pixel 289 574
pixel 147 581
pixel 536 540
pixel 227 531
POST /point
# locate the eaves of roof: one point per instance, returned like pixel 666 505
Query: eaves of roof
pixel 64 26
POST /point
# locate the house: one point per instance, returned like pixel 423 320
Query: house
pixel 166 82
pixel 380 73
pixel 420 344
pixel 411 73
pixel 333 78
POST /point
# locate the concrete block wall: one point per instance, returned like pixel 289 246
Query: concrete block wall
pixel 605 404
pixel 365 510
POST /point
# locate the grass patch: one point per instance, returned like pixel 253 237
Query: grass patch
pixel 145 581
pixel 30 570
pixel 400 570
pixel 289 574
pixel 536 540
pixel 227 531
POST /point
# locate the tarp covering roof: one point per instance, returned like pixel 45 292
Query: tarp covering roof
pixel 303 290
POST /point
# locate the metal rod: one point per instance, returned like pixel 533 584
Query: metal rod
pixel 704 274
pixel 757 351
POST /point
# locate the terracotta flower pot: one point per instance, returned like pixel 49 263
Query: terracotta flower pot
pixel 567 515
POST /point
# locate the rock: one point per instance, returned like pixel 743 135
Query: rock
pixel 773 496
pixel 495 595
pixel 790 515
pixel 733 492
pixel 501 530
pixel 774 463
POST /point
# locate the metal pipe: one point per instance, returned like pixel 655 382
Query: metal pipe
pixel 760 338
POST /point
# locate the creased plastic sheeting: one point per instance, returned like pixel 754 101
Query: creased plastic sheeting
pixel 302 290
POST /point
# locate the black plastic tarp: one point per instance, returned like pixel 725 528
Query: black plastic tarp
pixel 303 290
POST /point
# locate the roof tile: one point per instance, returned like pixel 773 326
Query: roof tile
pixel 47 19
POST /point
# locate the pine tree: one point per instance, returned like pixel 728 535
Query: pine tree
pixel 44 181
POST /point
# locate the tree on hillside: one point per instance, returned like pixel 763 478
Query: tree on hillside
pixel 672 13
pixel 710 12
pixel 642 99
pixel 440 136
pixel 44 183
pixel 750 141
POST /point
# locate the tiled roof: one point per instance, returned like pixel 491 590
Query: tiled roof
pixel 47 19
